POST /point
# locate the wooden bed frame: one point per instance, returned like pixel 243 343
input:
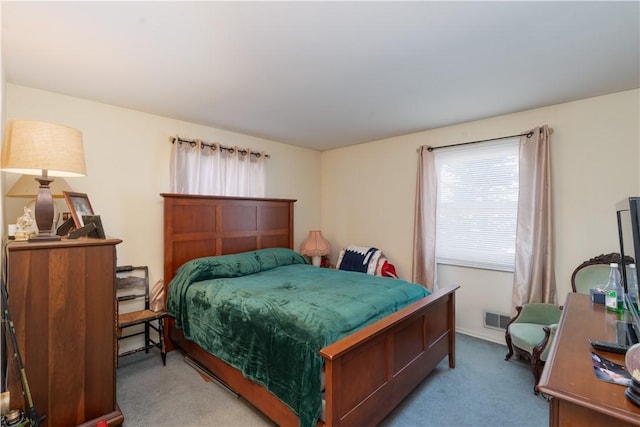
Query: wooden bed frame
pixel 367 373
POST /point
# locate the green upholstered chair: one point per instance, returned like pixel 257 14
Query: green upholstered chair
pixel 530 334
pixel 594 272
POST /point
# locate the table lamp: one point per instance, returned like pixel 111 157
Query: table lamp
pixel 315 246
pixel 43 149
pixel 27 188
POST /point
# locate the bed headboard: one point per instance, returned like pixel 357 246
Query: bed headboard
pixel 199 226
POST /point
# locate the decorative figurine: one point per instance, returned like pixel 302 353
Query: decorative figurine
pixel 24 225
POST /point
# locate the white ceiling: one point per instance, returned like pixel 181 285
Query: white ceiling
pixel 324 74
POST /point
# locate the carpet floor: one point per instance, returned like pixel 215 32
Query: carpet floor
pixel 482 390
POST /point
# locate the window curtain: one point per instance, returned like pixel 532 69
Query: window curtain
pixel 424 236
pixel 210 169
pixel 534 277
pixel 534 272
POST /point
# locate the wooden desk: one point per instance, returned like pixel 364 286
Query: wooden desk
pixel 578 397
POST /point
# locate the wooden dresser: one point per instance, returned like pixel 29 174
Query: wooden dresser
pixel 578 397
pixel 62 301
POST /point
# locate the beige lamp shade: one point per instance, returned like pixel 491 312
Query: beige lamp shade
pixel 31 147
pixel 27 187
pixel 43 149
pixel 315 246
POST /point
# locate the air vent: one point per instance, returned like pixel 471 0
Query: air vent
pixel 496 320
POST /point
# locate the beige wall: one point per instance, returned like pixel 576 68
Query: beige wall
pixel 127 155
pixel 368 193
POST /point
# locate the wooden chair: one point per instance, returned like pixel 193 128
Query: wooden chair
pixel 530 334
pixel 595 271
pixel 136 287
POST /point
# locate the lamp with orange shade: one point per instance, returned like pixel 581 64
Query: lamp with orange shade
pixel 315 246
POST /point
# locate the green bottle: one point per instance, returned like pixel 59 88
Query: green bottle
pixel 614 295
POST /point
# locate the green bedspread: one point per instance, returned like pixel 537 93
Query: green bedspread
pixel 268 313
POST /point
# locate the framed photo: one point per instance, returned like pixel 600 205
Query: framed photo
pixel 79 205
pixel 95 220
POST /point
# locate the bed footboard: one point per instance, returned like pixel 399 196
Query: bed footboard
pixel 371 371
pixel 367 373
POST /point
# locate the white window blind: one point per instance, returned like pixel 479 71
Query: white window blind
pixel 477 204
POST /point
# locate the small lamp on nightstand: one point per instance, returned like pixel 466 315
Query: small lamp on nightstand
pixel 315 246
pixel 43 149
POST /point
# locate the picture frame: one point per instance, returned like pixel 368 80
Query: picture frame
pixel 79 205
pixel 66 227
pixel 98 232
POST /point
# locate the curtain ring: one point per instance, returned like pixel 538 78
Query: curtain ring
pixel 244 152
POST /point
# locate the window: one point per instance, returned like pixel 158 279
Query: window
pixel 477 204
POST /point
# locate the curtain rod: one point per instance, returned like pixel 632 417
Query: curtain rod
pixel 193 143
pixel 528 135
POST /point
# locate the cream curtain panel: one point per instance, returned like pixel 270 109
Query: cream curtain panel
pixel 534 277
pixel 211 169
pixel 534 271
pixel 424 236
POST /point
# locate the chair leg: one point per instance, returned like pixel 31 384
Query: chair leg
pixel 507 338
pixel 507 335
pixel 147 336
pixel 537 366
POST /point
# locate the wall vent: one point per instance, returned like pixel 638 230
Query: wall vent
pixel 496 320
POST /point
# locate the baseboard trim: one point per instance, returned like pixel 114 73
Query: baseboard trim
pixel 480 336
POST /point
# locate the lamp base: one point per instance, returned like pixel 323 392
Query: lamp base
pixel 316 260
pixel 44 211
pixel 44 238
